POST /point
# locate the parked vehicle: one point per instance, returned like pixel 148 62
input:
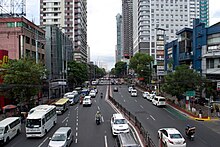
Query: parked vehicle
pixel 150 97
pixel 115 89
pixel 62 137
pixel 145 94
pixel 130 88
pixel 159 101
pixel 134 92
pixel 9 128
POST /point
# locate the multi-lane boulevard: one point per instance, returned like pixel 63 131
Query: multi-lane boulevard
pixel 154 118
pixel 88 134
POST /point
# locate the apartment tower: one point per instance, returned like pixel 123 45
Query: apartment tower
pixel 71 17
pixel 157 21
pixel 119 51
pixel 127 28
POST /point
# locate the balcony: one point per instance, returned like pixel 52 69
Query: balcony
pixel 185 56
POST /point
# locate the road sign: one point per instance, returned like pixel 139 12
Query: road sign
pixel 190 93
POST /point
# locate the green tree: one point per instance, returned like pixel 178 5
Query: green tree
pixel 112 72
pixel 23 79
pixel 120 68
pixel 77 73
pixel 141 64
pixel 182 80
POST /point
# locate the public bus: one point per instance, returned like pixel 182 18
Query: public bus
pixel 62 105
pixel 40 120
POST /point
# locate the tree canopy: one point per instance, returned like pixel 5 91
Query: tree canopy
pixel 141 64
pixel 23 79
pixel 120 68
pixel 182 80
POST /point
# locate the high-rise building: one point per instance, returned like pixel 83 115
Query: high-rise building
pixel 157 21
pixel 127 28
pixel 119 50
pixel 71 17
pixel 204 12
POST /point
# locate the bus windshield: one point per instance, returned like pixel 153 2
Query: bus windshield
pixel 33 123
pixel 59 107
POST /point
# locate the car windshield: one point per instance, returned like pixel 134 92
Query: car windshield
pixel 86 99
pixel 120 121
pixel 33 123
pixel 58 137
pixel 175 136
pixel 1 130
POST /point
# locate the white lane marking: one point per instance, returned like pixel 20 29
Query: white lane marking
pixel 102 119
pixel 98 108
pixel 95 101
pixel 106 141
pixel 141 106
pixel 66 124
pixel 76 140
pixel 43 142
pixel 152 117
pixel 65 119
pixel 76 108
pixel 76 128
pixel 77 123
pixel 124 100
pixel 76 133
pixel 121 95
pixel 135 100
pixel 77 119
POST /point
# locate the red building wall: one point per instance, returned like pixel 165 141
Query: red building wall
pixel 3 60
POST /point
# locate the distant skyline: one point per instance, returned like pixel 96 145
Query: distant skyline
pixel 102 25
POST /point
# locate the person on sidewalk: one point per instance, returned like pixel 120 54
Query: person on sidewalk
pixel 212 111
pixel 200 113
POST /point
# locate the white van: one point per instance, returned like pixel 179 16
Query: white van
pixel 159 101
pixel 9 127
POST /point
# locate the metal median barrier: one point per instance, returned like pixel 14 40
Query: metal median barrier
pixel 146 137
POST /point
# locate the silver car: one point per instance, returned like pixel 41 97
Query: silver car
pixel 62 137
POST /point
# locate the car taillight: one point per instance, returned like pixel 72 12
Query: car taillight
pixel 170 141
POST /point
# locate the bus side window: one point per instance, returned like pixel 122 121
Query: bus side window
pixel 43 121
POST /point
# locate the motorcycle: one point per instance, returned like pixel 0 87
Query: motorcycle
pixel 101 95
pixel 98 120
pixel 190 133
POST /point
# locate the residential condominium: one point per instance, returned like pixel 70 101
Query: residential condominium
pixel 157 21
pixel 71 17
pixel 127 28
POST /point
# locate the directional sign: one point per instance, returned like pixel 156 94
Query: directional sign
pixel 190 93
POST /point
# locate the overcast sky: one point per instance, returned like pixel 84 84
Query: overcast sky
pixel 102 26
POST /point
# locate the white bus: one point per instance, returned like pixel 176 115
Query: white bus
pixel 40 120
pixel 9 127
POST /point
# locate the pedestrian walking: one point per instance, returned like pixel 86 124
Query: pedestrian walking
pixel 200 113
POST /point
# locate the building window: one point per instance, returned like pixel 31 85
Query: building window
pixel 27 40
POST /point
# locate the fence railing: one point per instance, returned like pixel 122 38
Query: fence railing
pixel 146 137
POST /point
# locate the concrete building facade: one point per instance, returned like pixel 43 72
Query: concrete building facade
pixel 119 50
pixel 22 38
pixel 127 28
pixel 71 17
pixel 153 16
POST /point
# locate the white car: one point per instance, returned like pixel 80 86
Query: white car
pixel 70 93
pixel 87 101
pixel 119 124
pixel 150 97
pixel 62 137
pixel 130 88
pixel 133 92
pixel 145 94
pixel 171 137
pixel 92 93
pixel 159 101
